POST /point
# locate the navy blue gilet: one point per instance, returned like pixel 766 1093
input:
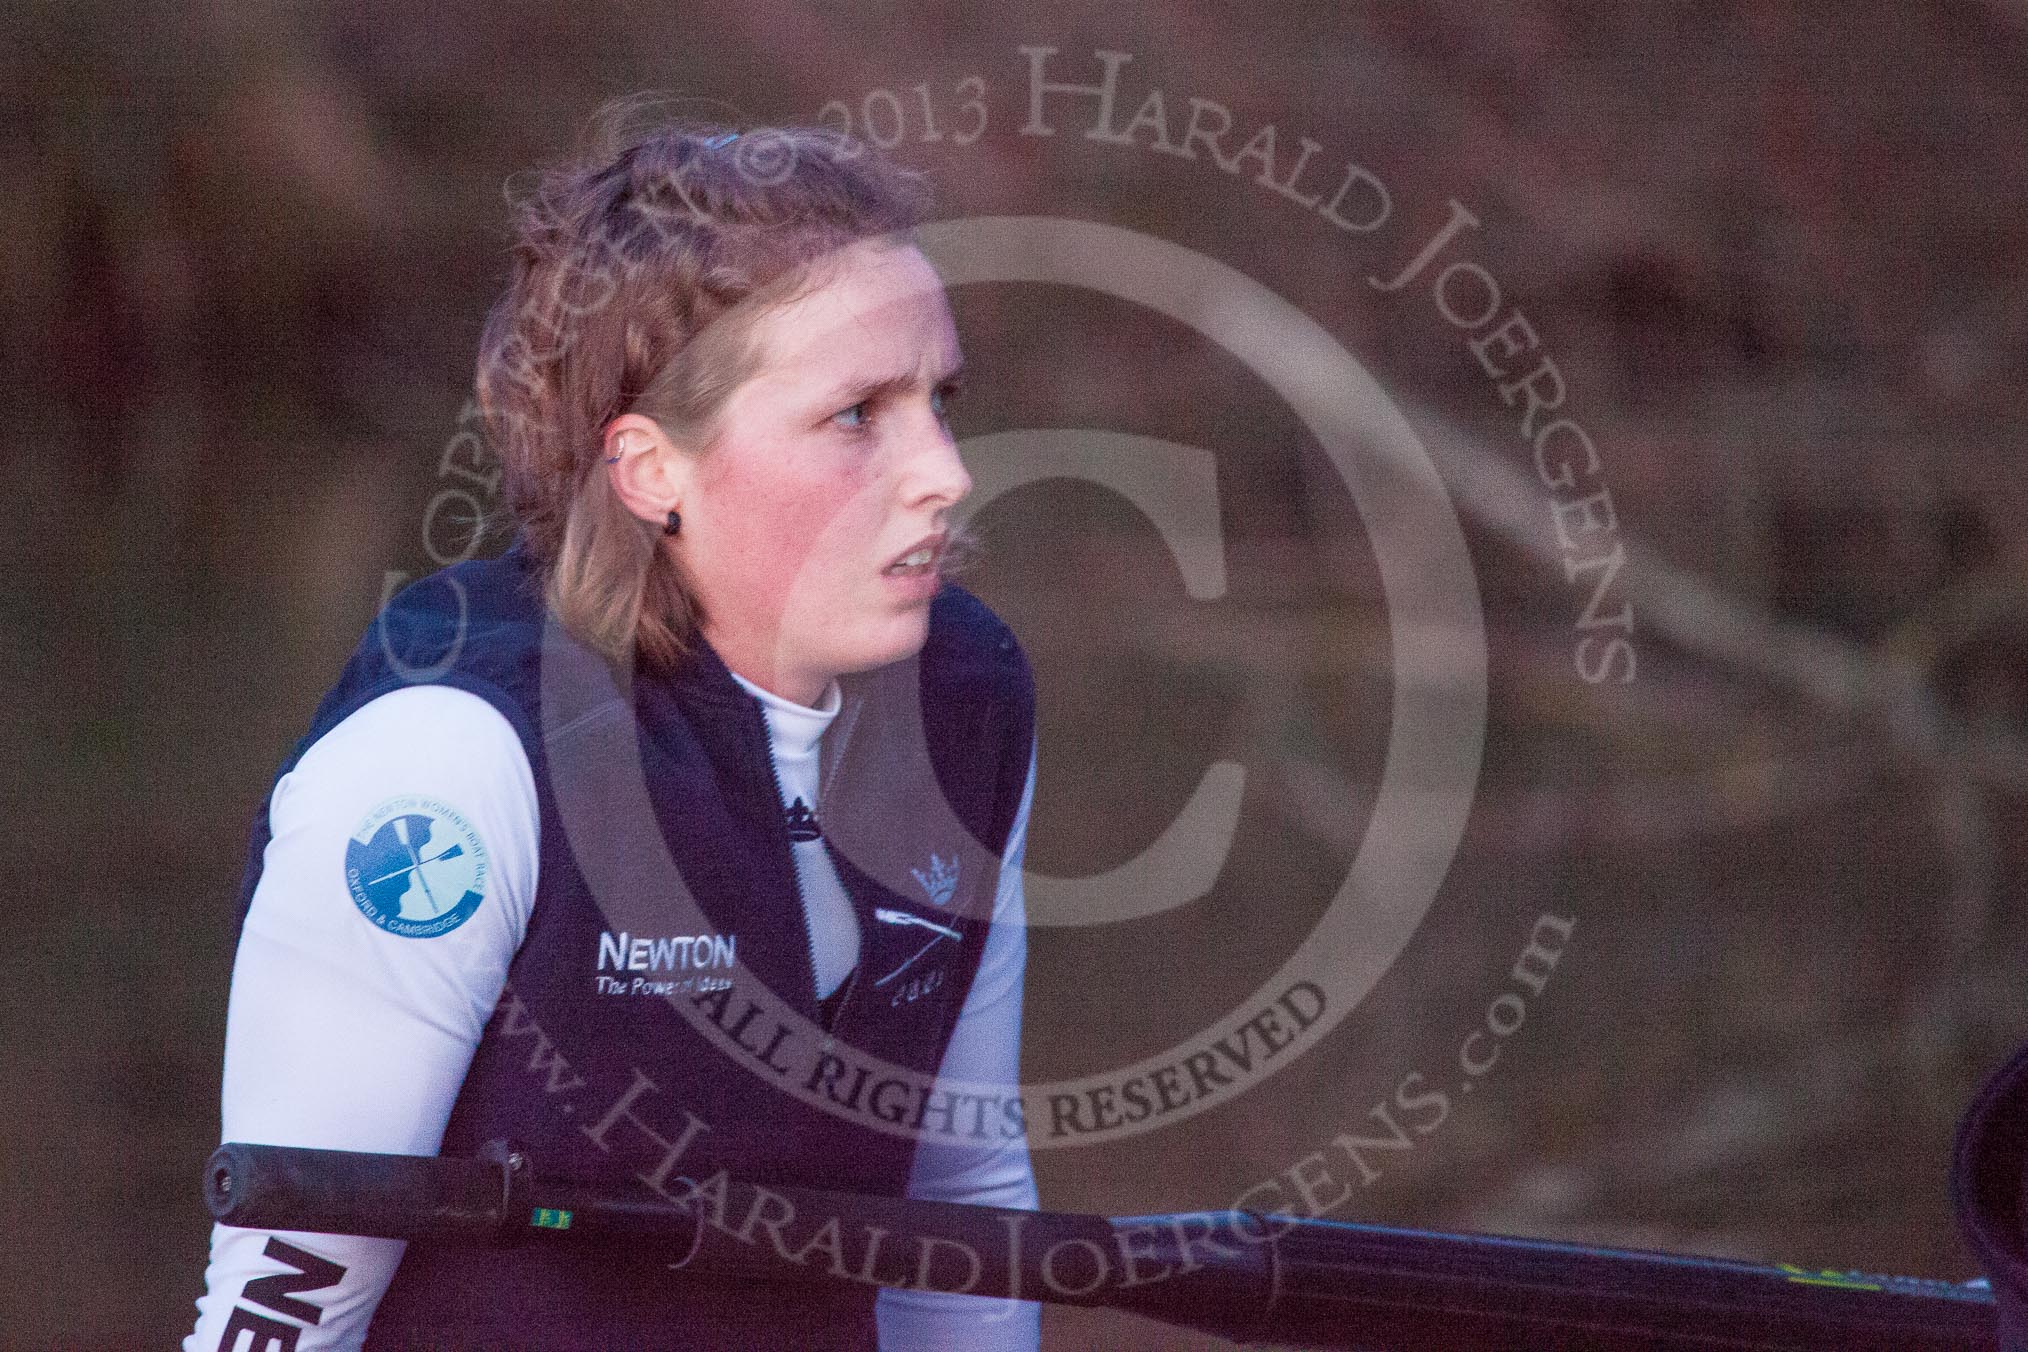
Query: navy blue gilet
pixel 666 880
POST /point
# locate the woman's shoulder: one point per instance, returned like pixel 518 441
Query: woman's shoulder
pixel 495 595
pixel 477 624
pixel 419 738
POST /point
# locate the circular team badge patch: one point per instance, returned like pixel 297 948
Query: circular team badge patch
pixel 416 868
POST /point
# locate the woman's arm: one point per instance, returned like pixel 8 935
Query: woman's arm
pixel 986 1047
pixel 341 1034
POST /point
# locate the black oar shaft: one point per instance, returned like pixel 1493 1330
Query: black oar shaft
pixel 1290 1282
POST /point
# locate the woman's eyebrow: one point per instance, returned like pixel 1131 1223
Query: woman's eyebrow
pixel 879 387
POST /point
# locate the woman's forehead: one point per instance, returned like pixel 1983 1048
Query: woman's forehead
pixel 877 312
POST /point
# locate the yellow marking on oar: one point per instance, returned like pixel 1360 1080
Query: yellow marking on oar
pixel 1844 1281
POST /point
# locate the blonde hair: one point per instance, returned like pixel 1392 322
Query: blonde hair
pixel 638 269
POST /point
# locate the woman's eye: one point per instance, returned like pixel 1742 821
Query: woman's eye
pixel 854 418
pixel 940 399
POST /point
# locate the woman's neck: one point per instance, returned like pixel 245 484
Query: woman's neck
pixel 758 664
pixel 823 704
pixel 805 689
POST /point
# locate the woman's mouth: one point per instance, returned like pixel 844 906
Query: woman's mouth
pixel 920 559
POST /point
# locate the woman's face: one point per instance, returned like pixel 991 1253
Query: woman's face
pixel 831 466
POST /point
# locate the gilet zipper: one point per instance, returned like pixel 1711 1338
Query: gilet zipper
pixel 788 848
pixel 796 884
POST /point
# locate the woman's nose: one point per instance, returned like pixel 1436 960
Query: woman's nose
pixel 935 472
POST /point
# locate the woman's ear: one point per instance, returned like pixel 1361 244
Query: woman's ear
pixel 647 471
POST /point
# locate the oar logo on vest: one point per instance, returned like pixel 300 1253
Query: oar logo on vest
pixel 940 881
pixel 416 868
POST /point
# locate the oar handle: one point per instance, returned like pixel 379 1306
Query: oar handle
pixel 275 1187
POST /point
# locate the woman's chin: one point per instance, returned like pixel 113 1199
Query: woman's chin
pixel 899 638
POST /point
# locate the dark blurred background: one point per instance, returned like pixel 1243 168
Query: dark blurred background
pixel 1777 251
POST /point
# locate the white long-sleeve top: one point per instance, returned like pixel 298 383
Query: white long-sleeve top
pixel 341 1035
